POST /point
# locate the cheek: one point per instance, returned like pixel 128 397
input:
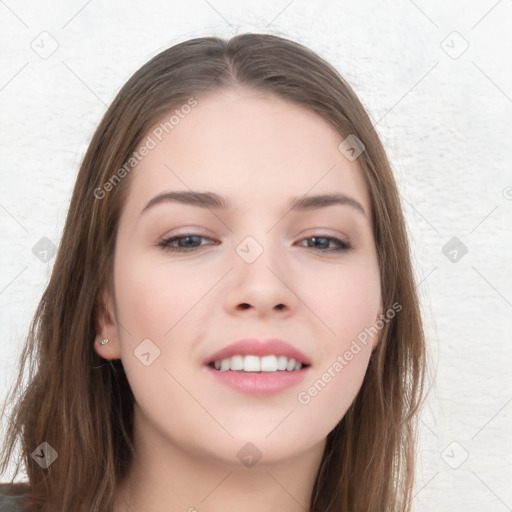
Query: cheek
pixel 334 387
pixel 349 302
pixel 167 305
pixel 157 304
pixel 153 298
pixel 158 308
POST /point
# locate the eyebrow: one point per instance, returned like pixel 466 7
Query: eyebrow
pixel 214 201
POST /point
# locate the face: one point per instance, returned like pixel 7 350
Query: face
pixel 195 274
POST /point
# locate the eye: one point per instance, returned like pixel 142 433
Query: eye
pixel 328 244
pixel 191 242
pixel 183 243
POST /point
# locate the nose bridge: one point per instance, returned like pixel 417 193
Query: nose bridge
pixel 257 256
pixel 259 278
pixel 259 243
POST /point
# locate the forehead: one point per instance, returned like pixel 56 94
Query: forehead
pixel 248 146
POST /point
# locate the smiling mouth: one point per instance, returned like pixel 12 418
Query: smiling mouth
pixel 256 364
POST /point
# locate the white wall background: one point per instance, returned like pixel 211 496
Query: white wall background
pixel 436 78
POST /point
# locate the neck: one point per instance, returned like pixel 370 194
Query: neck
pixel 165 476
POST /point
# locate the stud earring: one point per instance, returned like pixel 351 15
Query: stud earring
pixel 104 342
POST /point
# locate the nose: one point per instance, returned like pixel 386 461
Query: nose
pixel 260 288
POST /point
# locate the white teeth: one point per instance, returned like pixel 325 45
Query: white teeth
pixel 282 362
pixel 291 364
pixel 269 364
pixel 237 363
pixel 251 363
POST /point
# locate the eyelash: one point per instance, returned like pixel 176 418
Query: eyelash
pixel 165 244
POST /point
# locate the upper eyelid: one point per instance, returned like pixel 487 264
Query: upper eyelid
pixel 203 235
pixel 191 232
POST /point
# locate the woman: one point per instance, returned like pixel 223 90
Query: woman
pixel 232 318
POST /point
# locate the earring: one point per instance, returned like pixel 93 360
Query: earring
pixel 104 342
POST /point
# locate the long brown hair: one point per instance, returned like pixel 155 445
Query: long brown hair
pixel 82 405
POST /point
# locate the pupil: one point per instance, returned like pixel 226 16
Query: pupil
pixel 323 242
pixel 188 240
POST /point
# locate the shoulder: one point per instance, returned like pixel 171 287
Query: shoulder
pixel 14 497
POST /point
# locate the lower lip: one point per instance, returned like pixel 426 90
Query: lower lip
pixel 259 383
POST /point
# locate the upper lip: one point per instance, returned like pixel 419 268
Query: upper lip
pixel 260 348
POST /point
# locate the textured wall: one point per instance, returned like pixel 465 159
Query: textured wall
pixel 436 78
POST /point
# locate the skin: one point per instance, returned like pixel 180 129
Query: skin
pixel 258 151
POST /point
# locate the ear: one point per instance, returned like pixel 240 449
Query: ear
pixel 106 327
